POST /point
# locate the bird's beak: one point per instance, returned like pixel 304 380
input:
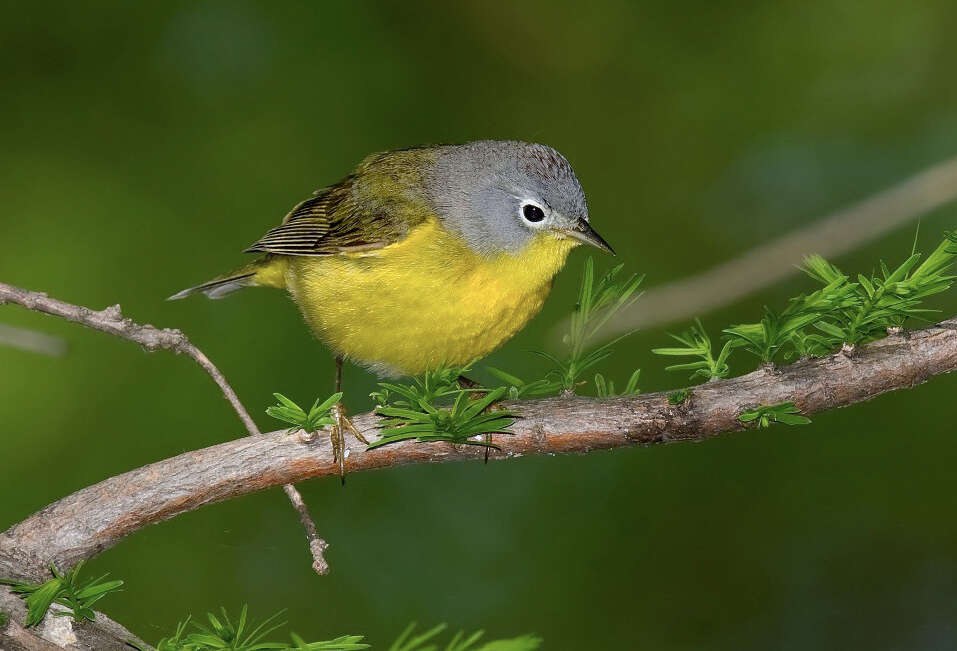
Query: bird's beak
pixel 583 232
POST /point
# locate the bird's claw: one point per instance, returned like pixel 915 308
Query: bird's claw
pixel 338 439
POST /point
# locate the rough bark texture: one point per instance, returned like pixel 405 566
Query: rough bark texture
pixel 96 518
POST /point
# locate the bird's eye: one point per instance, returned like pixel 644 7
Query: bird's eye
pixel 532 213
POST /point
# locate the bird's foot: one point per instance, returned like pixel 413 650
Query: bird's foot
pixel 338 439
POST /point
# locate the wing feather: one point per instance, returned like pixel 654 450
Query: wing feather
pixel 323 224
pixel 370 209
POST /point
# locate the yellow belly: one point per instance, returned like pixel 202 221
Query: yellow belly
pixel 425 301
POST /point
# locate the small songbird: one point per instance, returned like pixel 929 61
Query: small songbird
pixel 423 257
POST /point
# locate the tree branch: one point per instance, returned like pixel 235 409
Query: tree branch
pixel 96 518
pixel 111 320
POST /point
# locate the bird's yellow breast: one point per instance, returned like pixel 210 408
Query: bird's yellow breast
pixel 424 301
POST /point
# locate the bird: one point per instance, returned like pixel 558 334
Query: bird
pixel 425 257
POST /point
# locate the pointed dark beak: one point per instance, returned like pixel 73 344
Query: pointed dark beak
pixel 583 232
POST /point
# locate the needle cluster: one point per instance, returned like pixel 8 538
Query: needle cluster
pixel 844 310
pixel 785 413
pixel 598 301
pixel 435 407
pixel 66 589
pixel 318 416
pixel 222 634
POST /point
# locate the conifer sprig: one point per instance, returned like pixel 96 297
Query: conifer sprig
pixel 785 413
pixel 66 589
pixel 425 641
pixel 843 311
pixel 598 301
pixel 416 411
pixel 221 634
pixel 318 416
pixel 697 343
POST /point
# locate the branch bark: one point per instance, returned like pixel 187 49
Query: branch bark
pixel 96 518
pixel 112 321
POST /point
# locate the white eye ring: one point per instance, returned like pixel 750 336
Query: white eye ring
pixel 532 213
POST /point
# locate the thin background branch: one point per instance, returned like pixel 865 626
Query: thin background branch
pixel 769 263
pixel 32 341
pixel 112 321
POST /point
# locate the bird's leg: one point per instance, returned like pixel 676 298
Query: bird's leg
pixel 469 383
pixel 337 436
pixel 342 410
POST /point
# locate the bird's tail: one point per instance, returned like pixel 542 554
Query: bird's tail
pixel 269 271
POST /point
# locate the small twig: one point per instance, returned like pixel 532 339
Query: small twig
pixel 317 545
pixel 112 321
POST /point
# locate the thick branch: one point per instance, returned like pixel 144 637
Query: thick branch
pixel 95 518
pixel 111 321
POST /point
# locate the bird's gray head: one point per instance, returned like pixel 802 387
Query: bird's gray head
pixel 498 195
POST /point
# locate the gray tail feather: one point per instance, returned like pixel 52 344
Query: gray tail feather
pixel 217 288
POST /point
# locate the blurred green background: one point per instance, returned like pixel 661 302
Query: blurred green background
pixel 144 146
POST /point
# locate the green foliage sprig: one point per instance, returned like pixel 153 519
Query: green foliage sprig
pixel 66 589
pixel 420 410
pixel 319 414
pixel 697 343
pixel 882 300
pixel 764 415
pixel 460 642
pixel 598 302
pixel 441 384
pixel 176 642
pixel 841 311
pixel 518 388
pixel 606 389
pixel 222 634
pixel 343 643
pixel 678 396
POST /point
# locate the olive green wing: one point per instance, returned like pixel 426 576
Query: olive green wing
pixel 333 221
